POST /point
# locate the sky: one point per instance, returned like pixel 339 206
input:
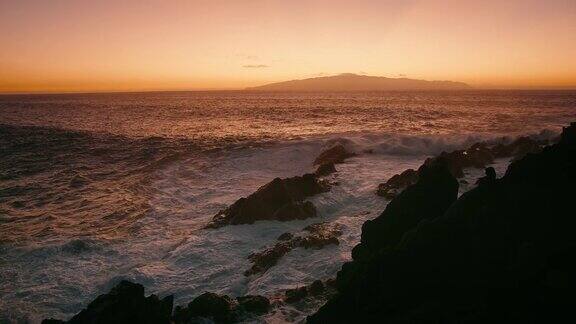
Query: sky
pixel 129 45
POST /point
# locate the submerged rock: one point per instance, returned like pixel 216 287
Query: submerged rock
pixel 125 303
pixel 501 253
pixel 280 199
pixel 317 236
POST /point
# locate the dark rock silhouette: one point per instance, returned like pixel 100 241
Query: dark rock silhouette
pixel 489 178
pixel 334 155
pixel 429 198
pixel 280 199
pixel 316 236
pixel 397 183
pixel 317 289
pixel 478 155
pixel 502 253
pixel 254 304
pixel 125 303
pixel 220 308
pixel 325 169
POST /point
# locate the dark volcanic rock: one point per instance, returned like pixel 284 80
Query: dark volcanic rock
pixel 518 148
pixel 397 183
pixel 125 303
pixel 334 155
pixel 502 253
pixel 489 178
pixel 477 156
pixel 220 308
pixel 254 304
pixel 325 169
pixel 429 198
pixel 285 236
pixel 315 289
pixel 280 199
pixel 320 235
pixel 317 236
pixel 268 258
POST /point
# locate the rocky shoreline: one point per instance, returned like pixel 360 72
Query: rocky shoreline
pixel 499 253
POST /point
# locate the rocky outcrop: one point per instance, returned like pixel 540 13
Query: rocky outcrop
pixel 313 236
pixel 428 199
pixel 220 309
pixel 280 199
pixel 334 155
pixel 325 169
pixel 479 155
pixel 502 253
pixel 397 183
pixel 317 289
pixel 125 303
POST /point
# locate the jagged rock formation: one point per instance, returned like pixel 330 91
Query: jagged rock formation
pixel 316 236
pixel 280 199
pixel 317 289
pixel 397 183
pixel 502 253
pixel 479 155
pixel 125 303
pixel 220 309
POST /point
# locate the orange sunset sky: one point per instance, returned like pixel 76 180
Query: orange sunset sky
pixel 116 45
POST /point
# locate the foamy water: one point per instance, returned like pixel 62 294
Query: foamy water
pixel 99 188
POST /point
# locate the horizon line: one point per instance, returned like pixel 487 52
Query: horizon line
pixel 65 92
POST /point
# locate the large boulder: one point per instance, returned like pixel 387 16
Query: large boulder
pixel 280 199
pixel 218 308
pixel 502 253
pixel 125 303
pixel 334 155
pixel 254 304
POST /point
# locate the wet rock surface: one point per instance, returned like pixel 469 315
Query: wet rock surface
pixel 478 155
pixel 397 183
pixel 317 289
pixel 313 236
pixel 325 169
pixel 334 155
pixel 280 199
pixel 211 307
pixel 125 303
pixel 502 253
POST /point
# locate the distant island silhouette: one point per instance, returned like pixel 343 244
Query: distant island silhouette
pixel 356 82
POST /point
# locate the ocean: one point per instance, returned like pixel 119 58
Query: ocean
pixel 96 188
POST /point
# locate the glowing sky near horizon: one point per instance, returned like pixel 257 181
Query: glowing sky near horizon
pixel 64 45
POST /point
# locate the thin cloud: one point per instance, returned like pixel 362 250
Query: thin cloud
pixel 255 66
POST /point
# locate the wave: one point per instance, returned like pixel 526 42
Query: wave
pixel 426 145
